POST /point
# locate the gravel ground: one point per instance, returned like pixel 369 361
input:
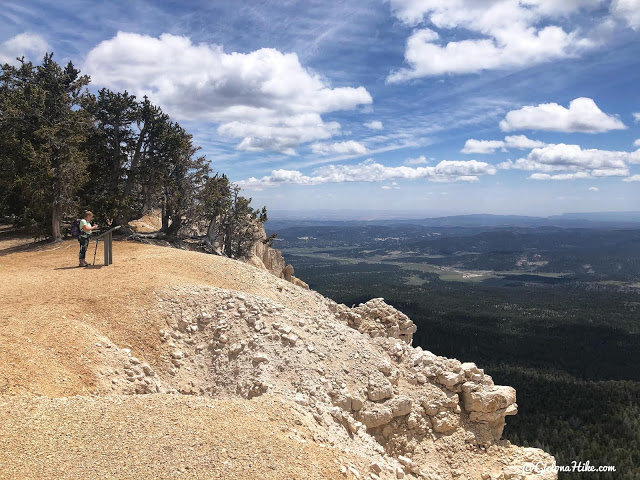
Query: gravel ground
pixel 52 312
pixel 52 425
pixel 155 436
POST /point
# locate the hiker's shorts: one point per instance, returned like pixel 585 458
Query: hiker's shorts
pixel 84 244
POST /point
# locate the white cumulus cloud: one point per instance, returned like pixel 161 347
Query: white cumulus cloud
pixel 572 158
pixel 505 34
pixel 374 125
pixel 636 116
pixel 482 146
pixel 265 98
pixel 30 45
pixel 392 186
pixel 594 189
pixel 632 178
pixel 350 147
pixel 560 176
pixel 520 142
pixel 371 171
pixel 421 160
pixel 627 10
pixel 583 115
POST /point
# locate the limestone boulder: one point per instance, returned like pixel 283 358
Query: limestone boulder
pixel 488 400
pixel 375 416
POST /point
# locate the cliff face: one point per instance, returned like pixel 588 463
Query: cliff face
pixel 331 391
pixel 268 258
pixel 357 382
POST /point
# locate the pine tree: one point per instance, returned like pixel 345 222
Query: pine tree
pixel 40 108
pixel 61 147
pixel 183 175
pixel 110 147
pixel 233 224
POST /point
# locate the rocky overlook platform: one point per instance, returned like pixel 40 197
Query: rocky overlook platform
pixel 178 364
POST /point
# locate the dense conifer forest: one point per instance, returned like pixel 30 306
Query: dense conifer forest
pixel 553 312
pixel 64 149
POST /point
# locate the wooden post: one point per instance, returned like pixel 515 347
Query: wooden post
pixel 110 247
pixel 105 247
pixel 107 243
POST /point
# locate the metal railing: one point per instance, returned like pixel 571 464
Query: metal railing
pixel 107 242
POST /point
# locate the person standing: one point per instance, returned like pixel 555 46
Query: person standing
pixel 85 232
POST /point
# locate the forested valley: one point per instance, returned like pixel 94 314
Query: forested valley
pixel 552 311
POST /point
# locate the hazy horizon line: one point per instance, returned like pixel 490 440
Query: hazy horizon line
pixel 358 214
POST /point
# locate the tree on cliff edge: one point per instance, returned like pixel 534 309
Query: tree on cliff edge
pixel 233 224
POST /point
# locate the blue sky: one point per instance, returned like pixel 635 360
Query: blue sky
pixel 406 107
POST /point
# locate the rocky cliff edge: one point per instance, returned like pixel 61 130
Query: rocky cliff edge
pixel 341 389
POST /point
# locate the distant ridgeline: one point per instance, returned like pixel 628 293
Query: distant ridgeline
pixel 64 149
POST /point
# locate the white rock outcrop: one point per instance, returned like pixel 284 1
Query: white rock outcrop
pixel 268 258
pixel 352 373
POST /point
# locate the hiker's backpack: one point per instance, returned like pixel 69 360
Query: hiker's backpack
pixel 75 228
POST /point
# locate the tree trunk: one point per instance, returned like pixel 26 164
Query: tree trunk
pixel 228 240
pixel 165 219
pixel 174 228
pixel 213 233
pixel 212 230
pixel 147 198
pixel 56 217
